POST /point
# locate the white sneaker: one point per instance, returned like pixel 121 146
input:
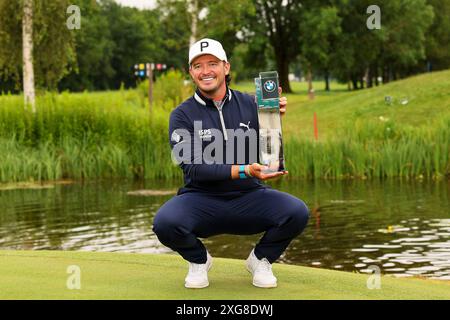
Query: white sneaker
pixel 197 276
pixel 261 271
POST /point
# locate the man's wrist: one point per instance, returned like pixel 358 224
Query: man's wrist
pixel 242 172
pixel 235 172
pixel 247 171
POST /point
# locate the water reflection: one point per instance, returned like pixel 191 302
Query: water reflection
pixel 90 217
pixel 401 227
pixel 429 256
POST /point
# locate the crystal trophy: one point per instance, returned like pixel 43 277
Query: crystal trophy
pixel 270 134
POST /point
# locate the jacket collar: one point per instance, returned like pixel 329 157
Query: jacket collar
pixel 206 101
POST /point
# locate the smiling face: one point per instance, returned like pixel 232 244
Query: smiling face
pixel 208 73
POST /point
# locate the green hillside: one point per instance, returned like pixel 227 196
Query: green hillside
pixel 428 98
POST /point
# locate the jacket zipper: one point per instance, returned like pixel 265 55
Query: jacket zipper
pixel 224 129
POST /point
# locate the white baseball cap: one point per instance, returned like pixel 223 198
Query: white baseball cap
pixel 207 46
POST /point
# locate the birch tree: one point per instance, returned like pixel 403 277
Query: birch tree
pixel 27 48
pixel 36 47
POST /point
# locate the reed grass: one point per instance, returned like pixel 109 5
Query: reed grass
pixel 83 136
pixel 114 135
pixel 368 150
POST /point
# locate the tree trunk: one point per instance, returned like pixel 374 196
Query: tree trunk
pixel 193 10
pixel 369 77
pixel 390 73
pixel 386 74
pixel 27 47
pixel 355 82
pixel 310 85
pixel 327 80
pixel 376 74
pixel 283 71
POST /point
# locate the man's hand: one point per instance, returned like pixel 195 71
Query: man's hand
pixel 283 102
pixel 256 170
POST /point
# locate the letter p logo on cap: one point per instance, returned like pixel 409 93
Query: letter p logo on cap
pixel 203 44
pixel 207 46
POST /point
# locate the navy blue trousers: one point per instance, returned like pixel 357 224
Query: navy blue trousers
pixel 183 219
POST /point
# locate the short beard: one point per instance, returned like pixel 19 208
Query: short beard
pixel 211 91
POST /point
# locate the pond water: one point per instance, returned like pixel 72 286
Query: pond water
pixel 401 227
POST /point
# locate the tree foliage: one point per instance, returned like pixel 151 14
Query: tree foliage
pixel 279 22
pixel 217 19
pixel 438 39
pixel 54 46
pixel 111 41
pixel 321 28
pixel 326 37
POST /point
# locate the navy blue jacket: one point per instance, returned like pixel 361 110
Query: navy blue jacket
pixel 239 111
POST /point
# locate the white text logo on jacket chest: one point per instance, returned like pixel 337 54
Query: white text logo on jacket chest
pixel 205 134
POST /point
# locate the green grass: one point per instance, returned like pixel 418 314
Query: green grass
pixel 43 275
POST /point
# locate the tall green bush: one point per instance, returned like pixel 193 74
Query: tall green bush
pixel 170 89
